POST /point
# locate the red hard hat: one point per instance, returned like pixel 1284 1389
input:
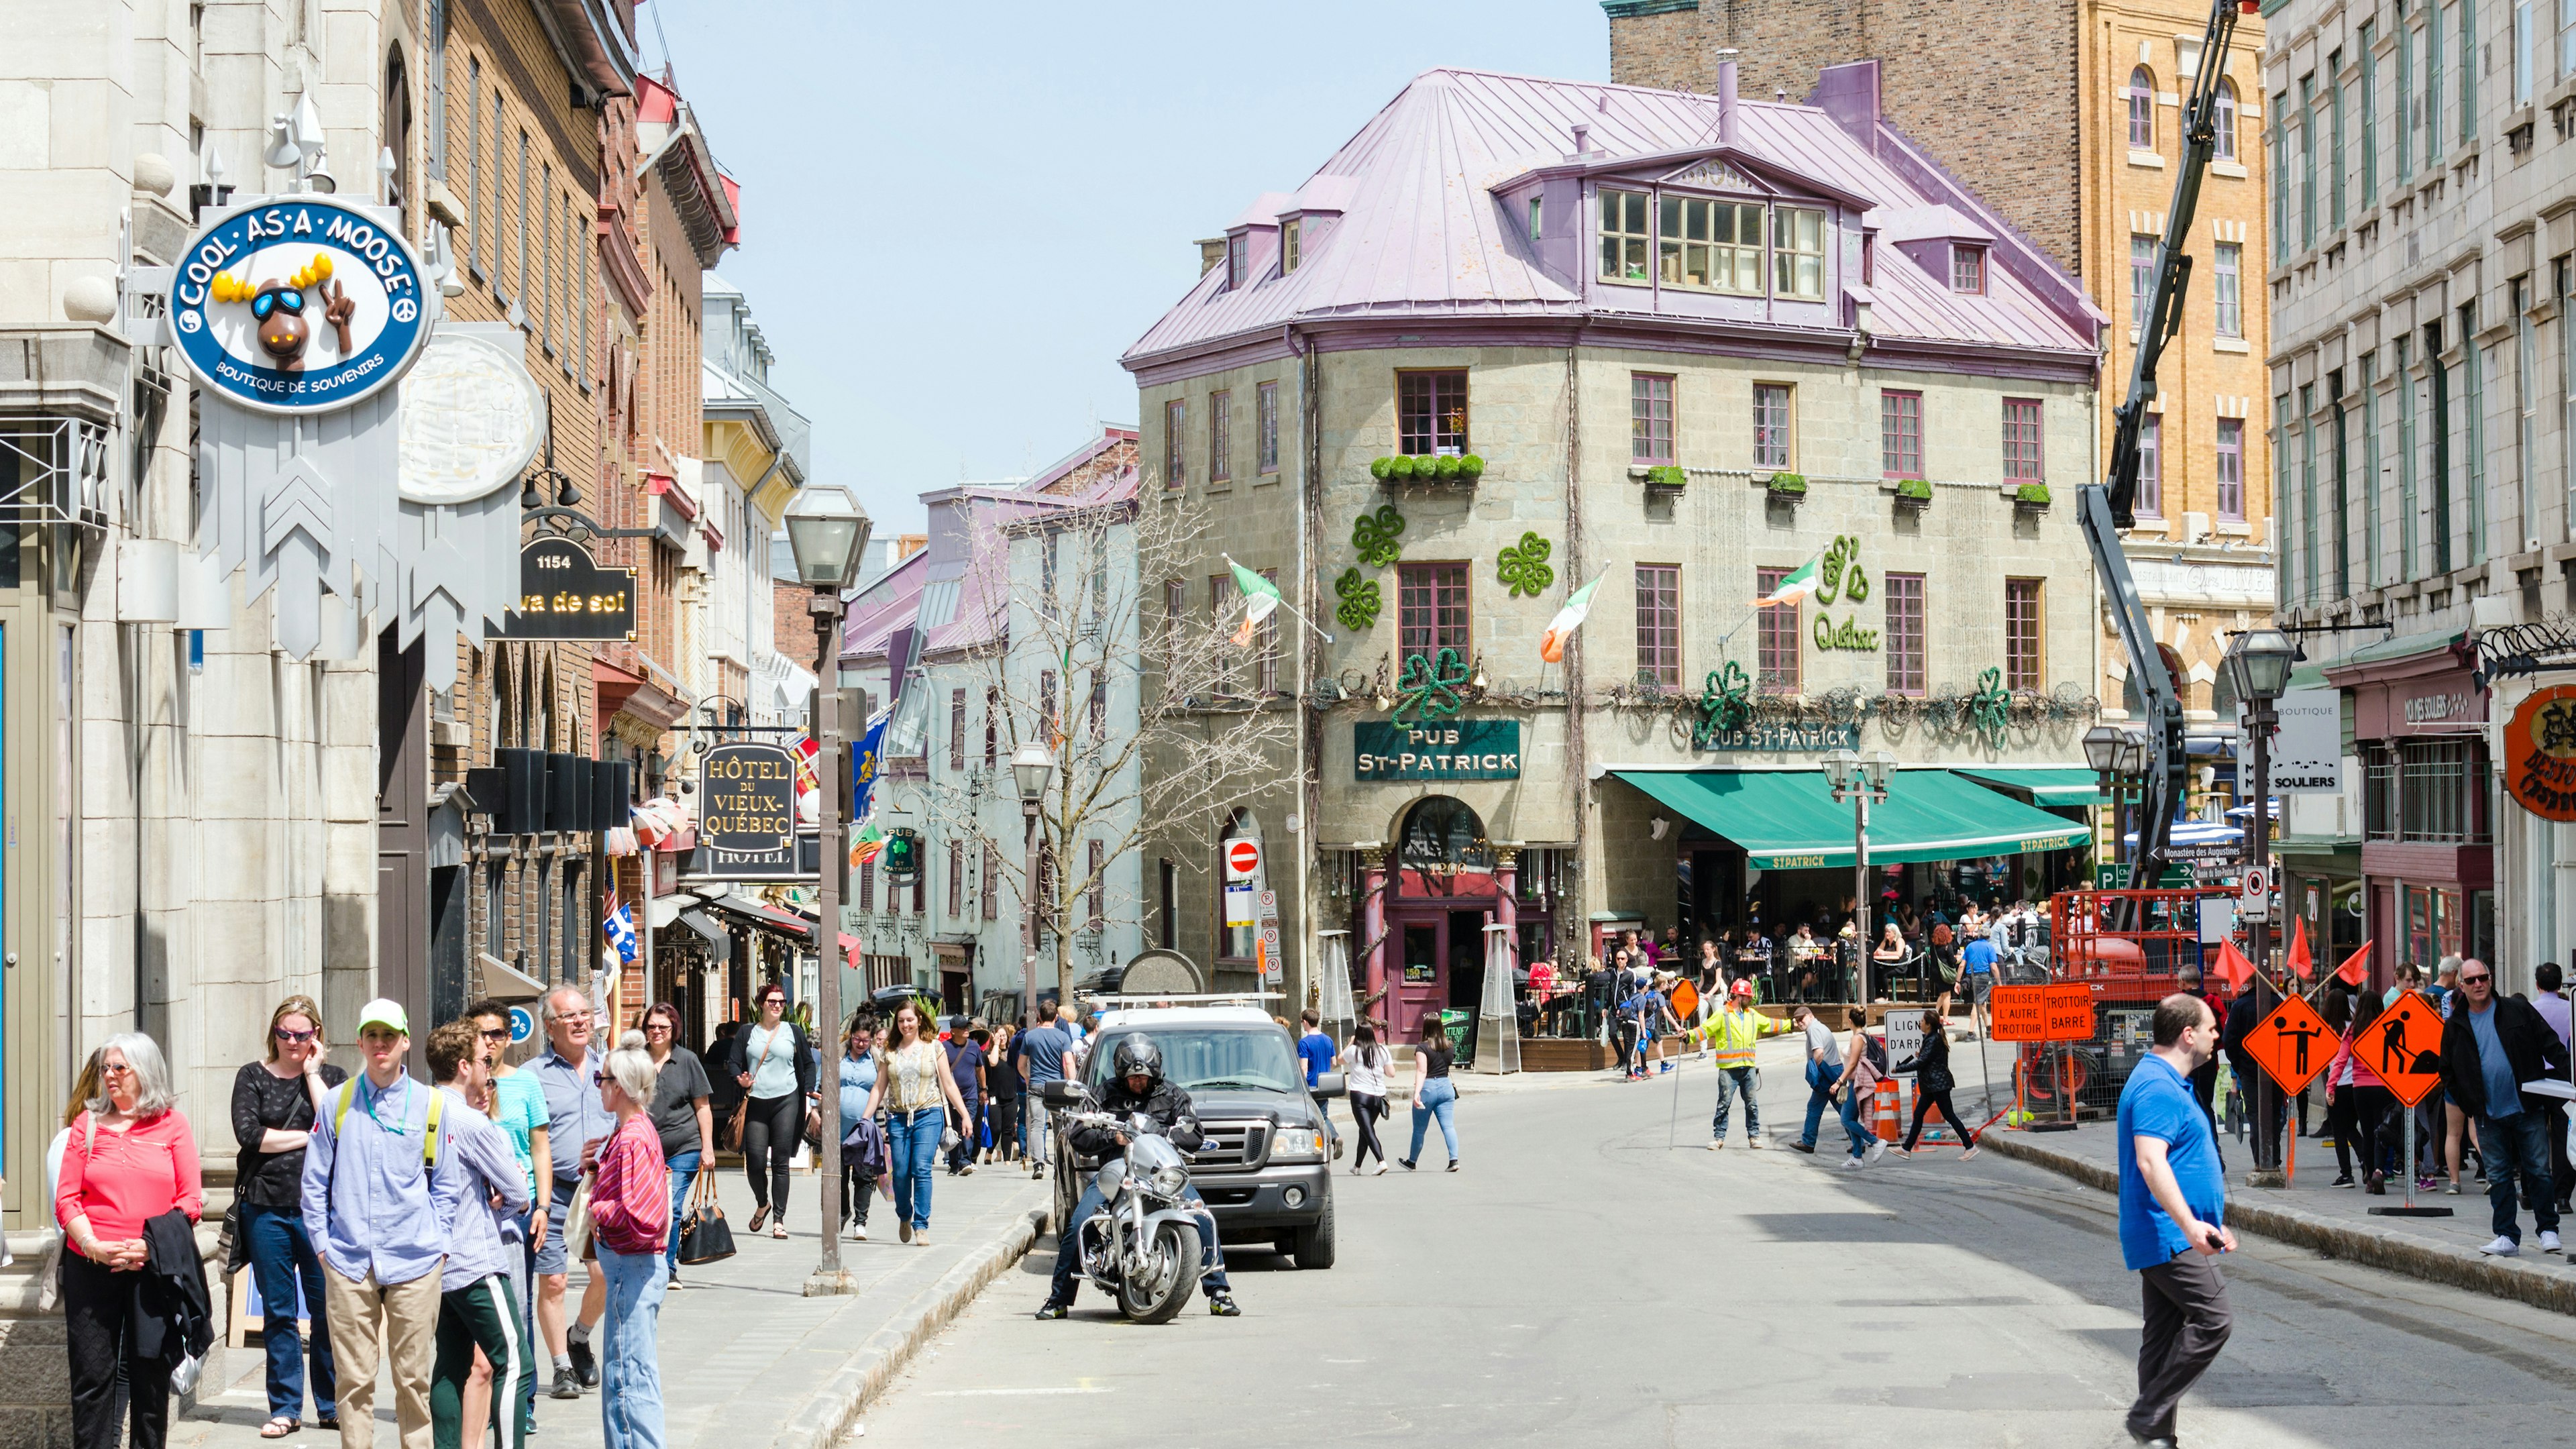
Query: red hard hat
pixel 1744 988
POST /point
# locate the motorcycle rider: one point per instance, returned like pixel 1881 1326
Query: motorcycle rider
pixel 1137 1085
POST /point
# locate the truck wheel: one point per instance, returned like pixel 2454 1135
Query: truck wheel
pixel 1315 1245
pixel 1284 1241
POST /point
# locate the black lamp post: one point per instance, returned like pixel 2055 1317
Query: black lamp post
pixel 1032 766
pixel 827 531
pixel 2102 752
pixel 2258 665
pixel 1862 781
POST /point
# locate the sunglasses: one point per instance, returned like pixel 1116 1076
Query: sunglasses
pixel 498 1033
pixel 661 1026
pixel 296 1038
pixel 116 1069
pixel 267 302
pixel 2475 980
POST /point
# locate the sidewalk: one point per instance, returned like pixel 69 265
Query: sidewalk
pixel 747 1360
pixel 2309 1213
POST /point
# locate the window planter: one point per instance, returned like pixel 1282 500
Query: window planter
pixel 1912 492
pixel 1402 468
pixel 2033 496
pixel 1786 485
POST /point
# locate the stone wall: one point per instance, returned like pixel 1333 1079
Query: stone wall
pixel 1987 91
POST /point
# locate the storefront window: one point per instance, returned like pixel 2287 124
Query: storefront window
pixel 2433 923
pixel 2441 791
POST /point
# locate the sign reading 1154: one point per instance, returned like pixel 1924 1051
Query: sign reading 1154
pixel 564 594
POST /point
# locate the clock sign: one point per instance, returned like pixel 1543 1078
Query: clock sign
pixel 299 304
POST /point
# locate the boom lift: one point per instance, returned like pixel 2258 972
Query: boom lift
pixel 2107 507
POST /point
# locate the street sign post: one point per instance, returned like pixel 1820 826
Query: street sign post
pixel 1242 858
pixel 2254 894
pixel 2404 1046
pixel 2291 1045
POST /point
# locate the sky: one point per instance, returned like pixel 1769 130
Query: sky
pixel 955 217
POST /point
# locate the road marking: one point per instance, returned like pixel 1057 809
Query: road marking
pixel 991 1393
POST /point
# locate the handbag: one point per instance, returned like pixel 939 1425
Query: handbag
pixel 577 1223
pixel 704 1235
pixel 742 1109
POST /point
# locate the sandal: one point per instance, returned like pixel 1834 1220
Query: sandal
pixel 279 1426
pixel 759 1215
pixel 778 1230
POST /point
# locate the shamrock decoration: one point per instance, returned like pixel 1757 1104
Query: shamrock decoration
pixel 1986 707
pixel 1840 570
pixel 1523 569
pixel 1725 700
pixel 1374 535
pixel 1359 601
pixel 1427 691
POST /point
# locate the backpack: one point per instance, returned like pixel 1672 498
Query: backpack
pixel 1874 1048
pixel 429 1145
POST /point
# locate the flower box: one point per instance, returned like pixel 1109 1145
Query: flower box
pixel 1786 485
pixel 2027 495
pixel 1448 468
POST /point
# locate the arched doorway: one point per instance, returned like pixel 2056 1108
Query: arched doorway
pixel 1446 891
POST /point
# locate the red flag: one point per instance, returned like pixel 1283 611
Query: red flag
pixel 2233 968
pixel 2356 967
pixel 2299 960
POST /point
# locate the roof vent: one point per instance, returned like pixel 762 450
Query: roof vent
pixel 1726 96
pixel 1582 138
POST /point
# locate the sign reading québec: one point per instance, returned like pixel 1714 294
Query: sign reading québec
pixel 304 305
pixel 1461 749
pixel 749 828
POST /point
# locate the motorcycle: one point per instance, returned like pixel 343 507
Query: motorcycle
pixel 1143 1247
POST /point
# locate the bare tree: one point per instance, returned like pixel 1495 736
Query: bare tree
pixel 1114 644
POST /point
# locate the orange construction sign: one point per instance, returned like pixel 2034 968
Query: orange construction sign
pixel 2404 1046
pixel 2069 1011
pixel 1685 1001
pixel 2292 1044
pixel 2020 1013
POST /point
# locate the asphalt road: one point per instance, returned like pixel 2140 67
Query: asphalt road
pixel 1580 1284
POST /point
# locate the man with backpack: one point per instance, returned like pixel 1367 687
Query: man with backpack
pixel 380 1201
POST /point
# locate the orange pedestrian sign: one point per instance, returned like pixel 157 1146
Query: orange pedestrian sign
pixel 2021 1013
pixel 2404 1046
pixel 2293 1044
pixel 2070 1011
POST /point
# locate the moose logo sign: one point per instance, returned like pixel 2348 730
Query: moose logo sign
pixel 298 305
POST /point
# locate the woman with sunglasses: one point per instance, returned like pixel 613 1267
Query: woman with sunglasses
pixel 274 1100
pixel 680 1112
pixel 777 1069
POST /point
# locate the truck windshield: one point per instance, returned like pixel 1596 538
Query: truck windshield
pixel 1253 1059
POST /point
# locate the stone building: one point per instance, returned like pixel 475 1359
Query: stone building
pixel 2067 120
pixel 1693 345
pixel 2424 229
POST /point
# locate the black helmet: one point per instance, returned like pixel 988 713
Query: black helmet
pixel 1138 1054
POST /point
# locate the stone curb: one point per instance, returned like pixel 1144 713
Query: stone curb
pixel 830 1413
pixel 2518 1279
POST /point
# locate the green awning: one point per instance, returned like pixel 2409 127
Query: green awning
pixel 1788 819
pixel 2053 785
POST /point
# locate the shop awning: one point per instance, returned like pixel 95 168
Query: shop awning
pixel 2058 786
pixel 769 918
pixel 1788 819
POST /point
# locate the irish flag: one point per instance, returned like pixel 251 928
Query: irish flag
pixel 1260 597
pixel 1792 590
pixel 1551 645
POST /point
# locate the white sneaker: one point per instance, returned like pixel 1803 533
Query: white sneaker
pixel 1849 1164
pixel 2502 1247
pixel 1757 1143
pixel 1718 1145
pixel 2548 1242
pixel 1877 1150
pixel 859 1234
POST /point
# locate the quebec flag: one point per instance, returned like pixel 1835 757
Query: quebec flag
pixel 620 927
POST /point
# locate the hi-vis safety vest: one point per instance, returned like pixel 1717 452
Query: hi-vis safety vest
pixel 1733 1034
pixel 429 1143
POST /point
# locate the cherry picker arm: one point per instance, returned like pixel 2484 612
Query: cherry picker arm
pixel 2108 506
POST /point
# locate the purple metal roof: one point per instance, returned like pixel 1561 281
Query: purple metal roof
pixel 1422 235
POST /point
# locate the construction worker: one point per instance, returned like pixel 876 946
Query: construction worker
pixel 1732 1033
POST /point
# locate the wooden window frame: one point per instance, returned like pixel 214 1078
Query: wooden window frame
pixel 2225 484
pixel 1659 625
pixel 1419 404
pixel 1433 576
pixel 1266 427
pixel 1908 671
pixel 2025 440
pixel 1775 443
pixel 1967 269
pixel 1220 437
pixel 2140 118
pixel 1786 253
pixel 957 729
pixel 1626 257
pixel 988 894
pixel 1900 432
pixel 1650 418
pixel 1176 460
pixel 2028 626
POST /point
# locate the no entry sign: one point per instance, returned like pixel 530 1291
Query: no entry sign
pixel 1242 858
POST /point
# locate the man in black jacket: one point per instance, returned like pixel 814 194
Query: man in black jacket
pixel 2490 1047
pixel 1136 1085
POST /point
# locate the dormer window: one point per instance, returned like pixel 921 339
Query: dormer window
pixel 1238 261
pixel 1712 246
pixel 1967 270
pixel 1624 236
pixel 1797 251
pixel 1291 236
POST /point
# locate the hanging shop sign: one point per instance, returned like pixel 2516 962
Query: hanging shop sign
pixel 1458 749
pixel 565 594
pixel 748 829
pixel 1795 739
pixel 2540 753
pixel 2307 749
pixel 303 304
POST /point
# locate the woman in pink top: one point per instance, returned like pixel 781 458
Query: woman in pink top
pixel 131 1158
pixel 630 1213
pixel 2357 1101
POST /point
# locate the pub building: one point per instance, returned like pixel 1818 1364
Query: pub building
pixel 1724 350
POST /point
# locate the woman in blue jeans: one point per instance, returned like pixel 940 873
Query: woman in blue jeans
pixel 1434 1095
pixel 274 1100
pixel 682 1116
pixel 916 1093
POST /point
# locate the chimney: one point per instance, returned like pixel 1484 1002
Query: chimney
pixel 1726 96
pixel 1582 139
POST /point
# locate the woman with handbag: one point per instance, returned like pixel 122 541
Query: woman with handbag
pixel 858 1077
pixel 1930 1065
pixel 680 1112
pixel 777 1077
pixel 131 1159
pixel 274 1100
pixel 630 1222
pixel 916 1091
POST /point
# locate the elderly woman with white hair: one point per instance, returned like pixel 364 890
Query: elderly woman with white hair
pixel 131 1159
pixel 630 1210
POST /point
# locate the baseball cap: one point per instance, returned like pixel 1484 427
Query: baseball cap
pixel 381 1012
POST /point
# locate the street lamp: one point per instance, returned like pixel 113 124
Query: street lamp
pixel 827 531
pixel 2102 752
pixel 2258 665
pixel 1032 766
pixel 1861 780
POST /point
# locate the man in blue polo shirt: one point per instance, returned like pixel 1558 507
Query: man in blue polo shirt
pixel 1315 1048
pixel 1041 1051
pixel 2173 1202
pixel 1977 974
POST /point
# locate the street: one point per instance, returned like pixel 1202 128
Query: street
pixel 1580 1284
